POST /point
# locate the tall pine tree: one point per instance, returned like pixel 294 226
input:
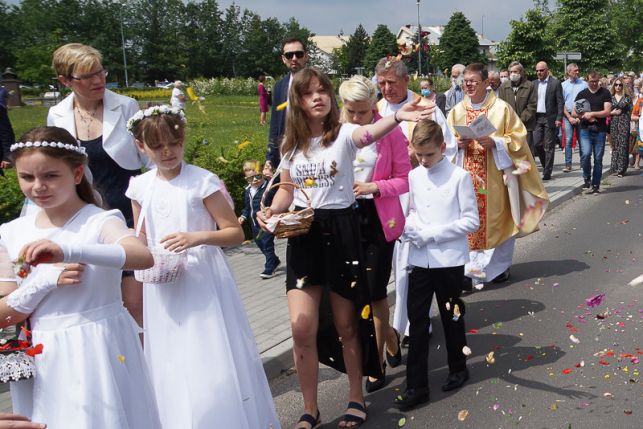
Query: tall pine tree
pixel 355 49
pixel 383 43
pixel 458 44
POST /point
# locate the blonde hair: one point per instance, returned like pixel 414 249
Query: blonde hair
pixel 75 57
pixel 626 90
pixel 298 134
pixel 357 89
pixel 427 132
pixel 251 163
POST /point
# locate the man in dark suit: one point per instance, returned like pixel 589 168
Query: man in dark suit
pixel 549 116
pixel 520 94
pixel 294 56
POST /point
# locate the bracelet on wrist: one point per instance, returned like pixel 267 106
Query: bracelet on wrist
pixel 395 118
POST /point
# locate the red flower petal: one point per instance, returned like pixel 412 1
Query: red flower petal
pixel 567 371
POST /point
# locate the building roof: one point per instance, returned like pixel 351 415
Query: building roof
pixel 436 33
pixel 328 43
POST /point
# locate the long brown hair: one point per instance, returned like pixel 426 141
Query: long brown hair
pixel 72 158
pixel 298 134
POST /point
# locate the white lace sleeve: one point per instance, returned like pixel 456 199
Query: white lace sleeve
pixel 6 266
pixel 114 230
pixel 42 280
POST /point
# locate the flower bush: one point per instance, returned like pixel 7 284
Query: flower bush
pixel 224 86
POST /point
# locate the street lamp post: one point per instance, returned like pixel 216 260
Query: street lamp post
pixel 123 45
pixel 419 41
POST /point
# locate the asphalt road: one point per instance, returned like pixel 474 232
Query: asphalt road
pixel 558 362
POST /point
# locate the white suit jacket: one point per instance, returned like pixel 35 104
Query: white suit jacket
pixel 117 141
pixel 444 204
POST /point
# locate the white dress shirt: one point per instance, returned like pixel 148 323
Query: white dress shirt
pixel 443 204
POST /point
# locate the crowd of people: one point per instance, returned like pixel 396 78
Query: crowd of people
pixel 399 185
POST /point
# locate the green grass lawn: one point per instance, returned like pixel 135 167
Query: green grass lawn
pixel 224 123
pixel 227 119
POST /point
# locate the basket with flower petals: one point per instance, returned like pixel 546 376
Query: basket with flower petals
pixel 293 223
pixel 168 266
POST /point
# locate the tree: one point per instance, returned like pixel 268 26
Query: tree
pixel 627 16
pixel 383 43
pixel 458 44
pixel 6 37
pixel 528 42
pixel 355 49
pixel 583 26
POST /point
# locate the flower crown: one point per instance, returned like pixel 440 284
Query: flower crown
pixel 60 145
pixel 154 111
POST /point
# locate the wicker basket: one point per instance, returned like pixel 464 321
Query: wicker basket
pixel 303 218
pixel 167 268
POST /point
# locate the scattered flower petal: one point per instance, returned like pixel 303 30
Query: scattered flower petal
pixel 463 414
pixel 401 422
pixel 595 301
pixel 366 312
pixel 466 351
pixel 121 358
pixel 574 339
pixel 490 358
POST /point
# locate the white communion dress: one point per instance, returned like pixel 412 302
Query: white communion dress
pixel 92 372
pixel 204 362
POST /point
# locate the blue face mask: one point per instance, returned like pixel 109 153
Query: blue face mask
pixel 425 92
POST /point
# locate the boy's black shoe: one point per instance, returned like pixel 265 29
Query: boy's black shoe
pixel 411 398
pixel 587 184
pixel 455 380
pixel 502 277
pixel 595 190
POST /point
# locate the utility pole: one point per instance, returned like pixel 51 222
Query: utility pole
pixel 419 42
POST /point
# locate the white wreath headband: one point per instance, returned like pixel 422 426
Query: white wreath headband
pixel 154 111
pixel 59 145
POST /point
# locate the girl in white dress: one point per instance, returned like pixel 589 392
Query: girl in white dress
pixel 91 372
pixel 204 362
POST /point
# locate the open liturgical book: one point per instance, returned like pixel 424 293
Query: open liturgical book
pixel 480 127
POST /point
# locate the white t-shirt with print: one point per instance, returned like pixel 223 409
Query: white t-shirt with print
pixel 325 173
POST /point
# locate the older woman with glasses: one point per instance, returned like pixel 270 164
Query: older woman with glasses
pixel 98 118
pixel 620 126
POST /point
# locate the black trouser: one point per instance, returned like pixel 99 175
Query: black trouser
pixel 544 143
pixel 446 283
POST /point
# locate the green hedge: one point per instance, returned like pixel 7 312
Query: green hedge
pixel 11 197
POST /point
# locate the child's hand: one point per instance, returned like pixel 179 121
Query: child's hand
pixel 180 241
pixel 70 274
pixel 42 251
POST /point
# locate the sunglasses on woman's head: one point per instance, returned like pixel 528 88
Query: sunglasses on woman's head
pixel 298 54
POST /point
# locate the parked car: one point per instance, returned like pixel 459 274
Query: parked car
pixel 111 85
pixel 137 85
pixel 165 84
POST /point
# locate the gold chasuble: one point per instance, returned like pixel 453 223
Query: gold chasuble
pixel 508 204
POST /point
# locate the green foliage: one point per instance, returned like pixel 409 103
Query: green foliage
pixel 458 44
pixel 528 42
pixel 11 197
pixel 355 49
pixel 383 43
pixel 224 86
pixel 626 16
pixel 583 26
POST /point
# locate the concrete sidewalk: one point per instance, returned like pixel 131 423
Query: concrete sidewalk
pixel 265 300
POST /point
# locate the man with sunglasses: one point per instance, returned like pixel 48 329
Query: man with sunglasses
pixel 294 56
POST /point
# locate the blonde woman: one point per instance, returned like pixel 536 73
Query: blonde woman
pixel 97 117
pixel 381 176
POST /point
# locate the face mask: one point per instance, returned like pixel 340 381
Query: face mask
pixel 504 79
pixel 425 92
pixel 515 77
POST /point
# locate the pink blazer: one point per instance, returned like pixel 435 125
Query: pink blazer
pixel 391 174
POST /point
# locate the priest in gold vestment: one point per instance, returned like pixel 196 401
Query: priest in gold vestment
pixel 510 194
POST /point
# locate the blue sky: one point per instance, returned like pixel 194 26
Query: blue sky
pixel 329 17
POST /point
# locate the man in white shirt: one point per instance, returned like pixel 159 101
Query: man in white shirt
pixel 455 94
pixel 571 87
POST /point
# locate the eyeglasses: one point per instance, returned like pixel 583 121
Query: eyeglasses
pixel 298 54
pixel 472 82
pixel 250 179
pixel 102 73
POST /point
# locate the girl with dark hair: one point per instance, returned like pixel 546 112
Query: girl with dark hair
pixel 90 343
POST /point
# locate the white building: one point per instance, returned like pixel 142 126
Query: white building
pixel 322 54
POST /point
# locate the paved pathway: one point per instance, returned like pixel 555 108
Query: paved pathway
pixel 265 300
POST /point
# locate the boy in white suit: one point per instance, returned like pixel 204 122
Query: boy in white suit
pixel 443 211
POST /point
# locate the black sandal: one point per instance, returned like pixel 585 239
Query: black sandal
pixel 351 418
pixel 312 421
